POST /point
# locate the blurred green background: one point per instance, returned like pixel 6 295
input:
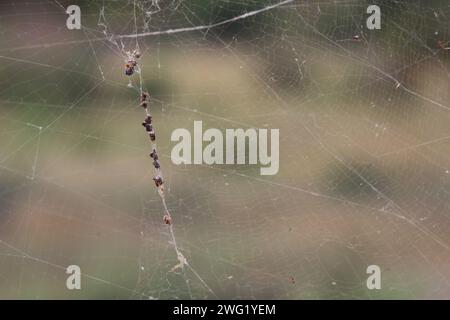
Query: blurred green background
pixel 364 150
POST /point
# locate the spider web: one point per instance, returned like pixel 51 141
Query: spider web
pixel 364 142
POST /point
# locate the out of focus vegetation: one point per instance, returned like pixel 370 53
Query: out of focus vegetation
pixel 364 163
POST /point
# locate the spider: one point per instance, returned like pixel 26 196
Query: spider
pixel 132 63
pixel 129 69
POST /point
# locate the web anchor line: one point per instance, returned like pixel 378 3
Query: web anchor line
pixel 130 67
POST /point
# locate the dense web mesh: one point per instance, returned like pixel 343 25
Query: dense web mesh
pixel 364 149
